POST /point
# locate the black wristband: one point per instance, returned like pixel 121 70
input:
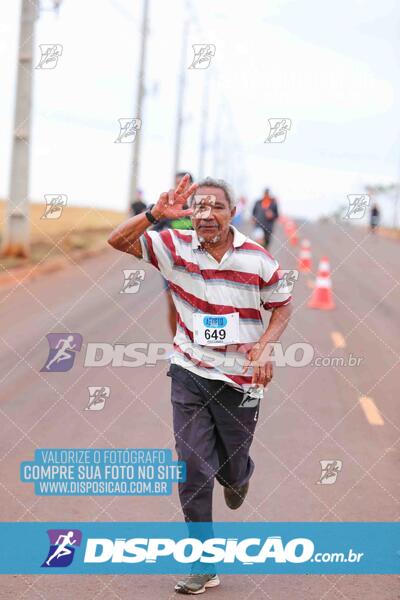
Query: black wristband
pixel 150 216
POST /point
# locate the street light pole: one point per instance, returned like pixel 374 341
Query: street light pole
pixel 17 232
pixel 203 126
pixel 180 101
pixel 139 105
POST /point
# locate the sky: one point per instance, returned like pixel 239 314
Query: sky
pixel 331 68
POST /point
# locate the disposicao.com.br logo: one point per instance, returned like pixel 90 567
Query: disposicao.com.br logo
pixel 190 550
pixel 248 551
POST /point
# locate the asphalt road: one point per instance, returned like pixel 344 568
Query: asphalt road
pixel 309 414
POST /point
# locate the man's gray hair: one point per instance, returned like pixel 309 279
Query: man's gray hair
pixel 222 185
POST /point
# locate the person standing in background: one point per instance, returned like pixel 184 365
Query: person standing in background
pixel 265 213
pixel 374 218
pixel 138 206
pixel 240 208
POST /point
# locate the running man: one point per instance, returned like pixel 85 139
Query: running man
pixel 62 549
pixel 219 280
pixel 62 353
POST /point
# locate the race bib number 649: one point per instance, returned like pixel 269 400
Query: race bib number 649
pixel 216 330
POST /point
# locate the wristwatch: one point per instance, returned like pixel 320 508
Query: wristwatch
pixel 150 216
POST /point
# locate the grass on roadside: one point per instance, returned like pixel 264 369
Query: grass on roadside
pixel 78 228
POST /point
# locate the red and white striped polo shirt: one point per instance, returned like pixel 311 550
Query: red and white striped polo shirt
pixel 245 281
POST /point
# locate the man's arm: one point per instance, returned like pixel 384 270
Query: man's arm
pixel 126 236
pixel 258 356
pixel 278 322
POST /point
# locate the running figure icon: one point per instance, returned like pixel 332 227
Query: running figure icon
pixel 62 549
pixel 62 354
pixel 63 347
pixel 63 544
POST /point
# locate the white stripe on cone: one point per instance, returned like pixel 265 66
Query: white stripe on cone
pixel 305 254
pixel 323 282
pixel 324 265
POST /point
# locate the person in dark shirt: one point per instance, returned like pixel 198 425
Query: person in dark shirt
pixel 374 217
pixel 138 206
pixel 265 213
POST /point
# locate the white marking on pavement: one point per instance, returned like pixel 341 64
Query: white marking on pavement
pixel 371 411
pixel 338 339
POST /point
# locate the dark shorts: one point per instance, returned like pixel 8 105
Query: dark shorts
pixel 213 428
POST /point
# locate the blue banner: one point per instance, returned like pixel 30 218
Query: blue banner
pixel 241 548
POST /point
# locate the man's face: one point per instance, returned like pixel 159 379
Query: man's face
pixel 211 214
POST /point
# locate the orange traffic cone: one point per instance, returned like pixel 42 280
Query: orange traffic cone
pixel 291 232
pixel 304 263
pixel 322 297
pixel 293 239
pixel 288 226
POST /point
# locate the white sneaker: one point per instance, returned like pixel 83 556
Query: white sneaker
pixel 196 583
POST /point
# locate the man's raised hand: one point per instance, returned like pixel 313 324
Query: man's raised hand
pixel 170 204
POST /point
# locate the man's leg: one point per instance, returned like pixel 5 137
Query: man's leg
pixel 195 443
pixel 235 426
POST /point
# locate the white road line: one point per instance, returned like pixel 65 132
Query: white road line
pixel 371 411
pixel 338 339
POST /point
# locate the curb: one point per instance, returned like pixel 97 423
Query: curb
pixel 16 275
pixel 389 234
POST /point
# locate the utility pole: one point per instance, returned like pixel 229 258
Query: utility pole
pixel 139 104
pixel 217 142
pixel 396 206
pixel 181 93
pixel 396 202
pixel 203 126
pixel 17 232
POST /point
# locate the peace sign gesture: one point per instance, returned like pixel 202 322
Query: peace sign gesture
pixel 170 204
